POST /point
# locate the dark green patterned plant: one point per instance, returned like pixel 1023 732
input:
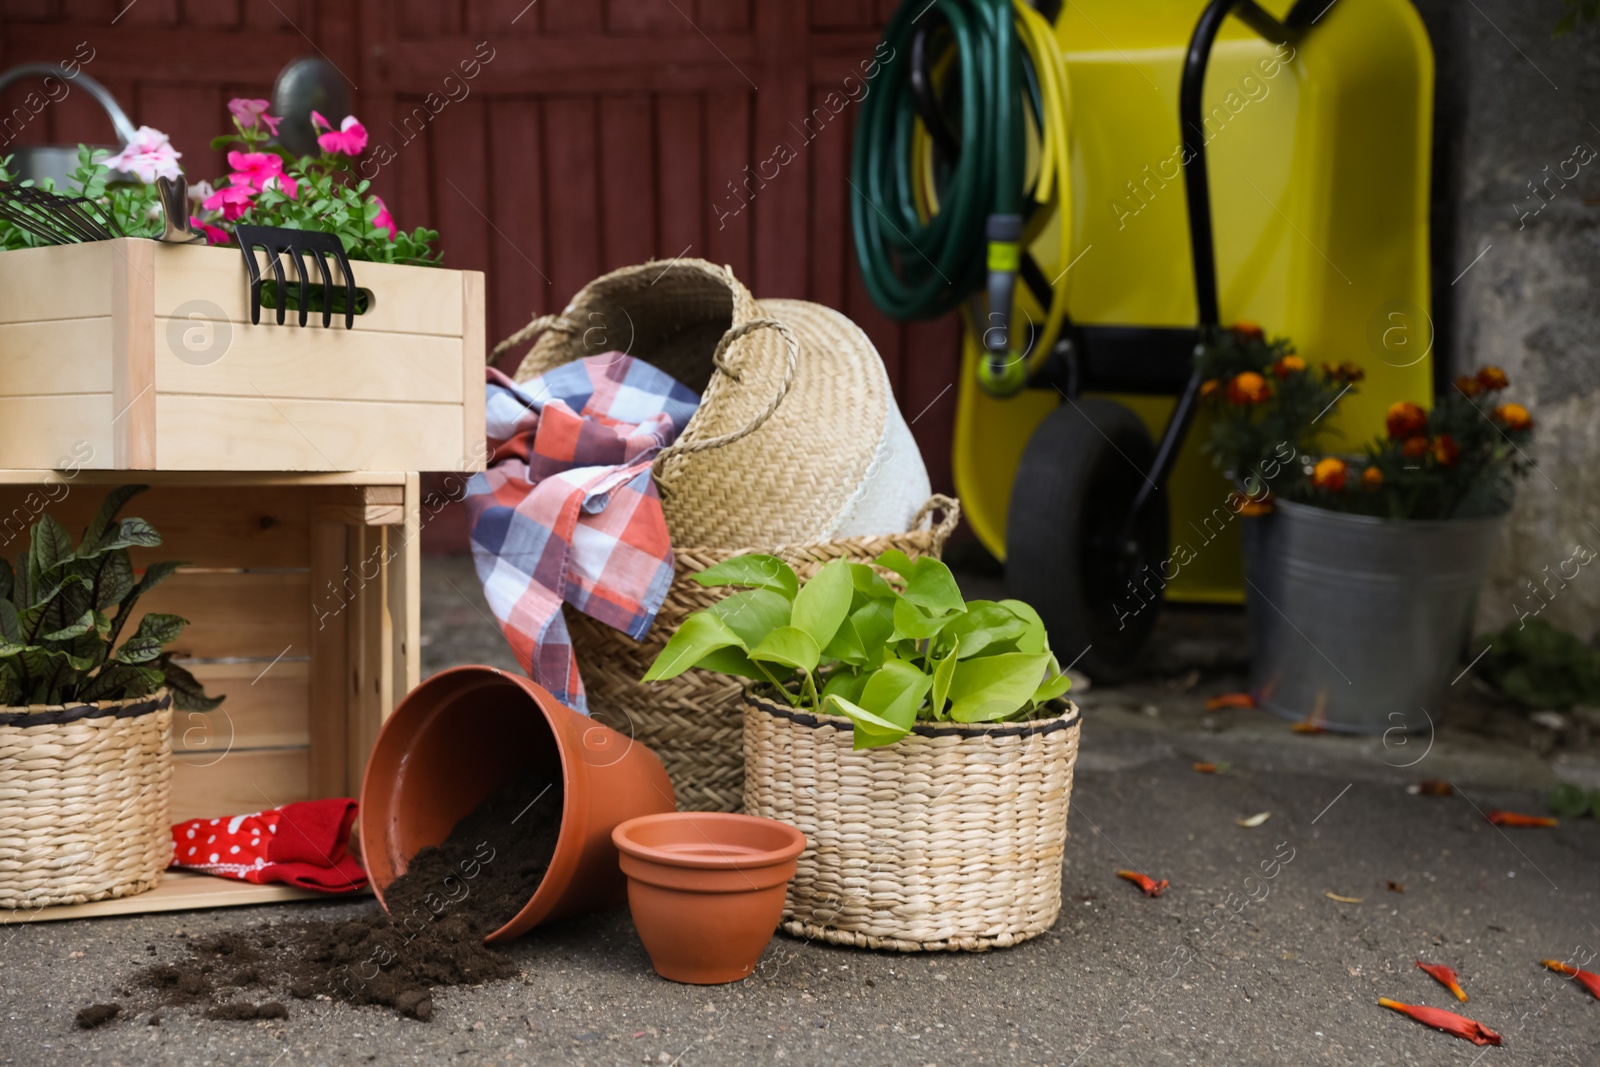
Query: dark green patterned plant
pixel 63 611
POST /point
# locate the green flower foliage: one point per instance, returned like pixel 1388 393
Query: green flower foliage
pixel 63 610
pixel 1540 666
pixel 848 642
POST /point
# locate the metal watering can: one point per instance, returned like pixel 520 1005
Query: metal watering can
pixel 57 162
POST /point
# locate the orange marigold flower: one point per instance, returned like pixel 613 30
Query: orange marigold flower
pixel 1446 452
pixel 1415 447
pixel 1372 478
pixel 1288 365
pixel 1245 330
pixel 1209 390
pixel 1330 474
pixel 1405 419
pixel 1249 388
pixel 1512 417
pixel 1468 385
pixel 1493 379
pixel 1350 372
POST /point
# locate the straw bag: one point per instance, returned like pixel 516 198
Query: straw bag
pixel 949 839
pixel 84 800
pixel 797 438
pixel 693 722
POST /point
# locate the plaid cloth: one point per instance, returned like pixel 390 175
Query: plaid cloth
pixel 568 510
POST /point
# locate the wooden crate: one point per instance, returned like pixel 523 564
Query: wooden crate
pixel 302 592
pixel 132 354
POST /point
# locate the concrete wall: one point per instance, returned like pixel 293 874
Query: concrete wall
pixel 1512 102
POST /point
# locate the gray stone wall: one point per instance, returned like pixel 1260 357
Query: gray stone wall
pixel 1518 114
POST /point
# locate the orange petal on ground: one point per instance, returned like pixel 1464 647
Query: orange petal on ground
pixel 1588 979
pixel 1448 1021
pixel 1230 700
pixel 1431 787
pixel 1151 887
pixel 1205 768
pixel 1513 818
pixel 1310 726
pixel 1445 976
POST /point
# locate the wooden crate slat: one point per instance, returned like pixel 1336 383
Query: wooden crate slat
pixel 77 362
pixel 257 361
pixel 243 433
pixel 256 527
pixel 243 782
pixel 267 705
pixel 236 614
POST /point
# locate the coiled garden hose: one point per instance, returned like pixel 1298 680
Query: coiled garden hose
pixel 940 167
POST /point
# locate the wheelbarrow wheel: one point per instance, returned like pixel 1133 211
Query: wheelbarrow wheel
pixel 1097 591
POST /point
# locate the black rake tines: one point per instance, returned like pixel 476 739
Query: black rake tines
pixel 57 219
pixel 278 242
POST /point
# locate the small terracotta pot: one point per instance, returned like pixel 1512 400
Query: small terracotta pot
pixel 458 736
pixel 706 889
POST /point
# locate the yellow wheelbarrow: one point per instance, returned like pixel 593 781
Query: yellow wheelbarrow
pixel 1093 184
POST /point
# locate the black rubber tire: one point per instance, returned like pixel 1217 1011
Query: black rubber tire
pixel 1073 489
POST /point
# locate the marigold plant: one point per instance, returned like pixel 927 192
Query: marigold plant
pixel 1270 436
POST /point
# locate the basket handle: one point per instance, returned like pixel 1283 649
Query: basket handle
pixel 944 527
pixel 719 359
pixel 536 325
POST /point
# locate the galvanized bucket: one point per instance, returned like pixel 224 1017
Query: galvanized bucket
pixel 1356 622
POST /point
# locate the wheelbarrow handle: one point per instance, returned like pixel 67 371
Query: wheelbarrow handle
pixel 102 95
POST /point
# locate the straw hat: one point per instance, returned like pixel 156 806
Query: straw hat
pixel 797 437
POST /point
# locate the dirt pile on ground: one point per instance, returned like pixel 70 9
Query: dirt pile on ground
pixel 431 937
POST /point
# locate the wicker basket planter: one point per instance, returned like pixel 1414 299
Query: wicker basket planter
pixel 695 722
pixel 951 839
pixel 84 801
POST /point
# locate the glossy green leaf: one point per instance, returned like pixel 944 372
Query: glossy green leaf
pixel 984 681
pixel 49 546
pixel 986 626
pixel 871 731
pixel 1035 637
pixel 894 692
pixel 155 632
pixel 912 622
pixel 1054 686
pixel 700 633
pixel 752 613
pixel 757 570
pixel 868 582
pixel 102 523
pixel 929 583
pixel 732 661
pixel 944 673
pixel 788 646
pixel 823 602
pixel 846 684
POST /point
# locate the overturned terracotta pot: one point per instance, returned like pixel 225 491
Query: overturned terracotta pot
pixel 461 734
pixel 706 889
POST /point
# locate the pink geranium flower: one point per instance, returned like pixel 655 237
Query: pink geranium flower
pixel 350 138
pixel 261 170
pixel 148 156
pixel 383 220
pixel 250 112
pixel 214 235
pixel 232 200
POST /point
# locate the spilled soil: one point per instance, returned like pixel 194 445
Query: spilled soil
pixel 431 937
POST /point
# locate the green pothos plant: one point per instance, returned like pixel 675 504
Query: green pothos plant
pixel 884 654
pixel 63 610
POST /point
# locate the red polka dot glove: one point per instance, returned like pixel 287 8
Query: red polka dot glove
pixel 304 844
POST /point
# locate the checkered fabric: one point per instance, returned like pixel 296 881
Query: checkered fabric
pixel 567 509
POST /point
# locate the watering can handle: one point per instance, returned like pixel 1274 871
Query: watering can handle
pixel 102 95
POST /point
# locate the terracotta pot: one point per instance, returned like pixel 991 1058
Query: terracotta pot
pixel 462 733
pixel 706 889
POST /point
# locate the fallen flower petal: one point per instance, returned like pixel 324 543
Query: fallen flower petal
pixel 1230 700
pixel 1513 818
pixel 1588 979
pixel 1448 1021
pixel 1255 820
pixel 1343 900
pixel 1310 726
pixel 1445 976
pixel 1151 887
pixel 1206 768
pixel 1396 887
pixel 1431 787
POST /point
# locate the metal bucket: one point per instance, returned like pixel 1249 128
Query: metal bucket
pixel 1360 622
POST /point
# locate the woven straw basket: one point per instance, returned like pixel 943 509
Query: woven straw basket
pixel 949 839
pixel 796 418
pixel 84 801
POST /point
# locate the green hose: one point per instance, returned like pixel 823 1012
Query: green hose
pixel 917 270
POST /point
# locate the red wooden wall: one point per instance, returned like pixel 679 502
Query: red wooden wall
pixel 598 133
